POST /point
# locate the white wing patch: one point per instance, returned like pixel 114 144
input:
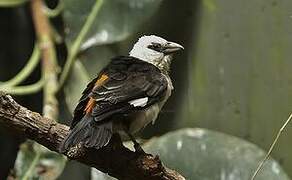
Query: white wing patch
pixel 141 102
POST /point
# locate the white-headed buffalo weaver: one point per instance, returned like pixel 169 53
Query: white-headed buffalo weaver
pixel 126 96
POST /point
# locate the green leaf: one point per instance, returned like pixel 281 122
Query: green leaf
pixel 98 175
pixel 11 3
pixel 116 20
pixel 94 59
pixel 76 83
pixel 209 155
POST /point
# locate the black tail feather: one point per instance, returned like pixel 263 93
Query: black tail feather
pixel 88 133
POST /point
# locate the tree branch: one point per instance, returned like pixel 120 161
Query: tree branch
pixel 49 61
pixel 113 159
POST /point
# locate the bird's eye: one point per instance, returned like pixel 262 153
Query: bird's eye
pixel 155 46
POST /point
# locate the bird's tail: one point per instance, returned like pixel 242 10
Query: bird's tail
pixel 89 133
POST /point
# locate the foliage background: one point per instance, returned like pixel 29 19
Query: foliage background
pixel 234 76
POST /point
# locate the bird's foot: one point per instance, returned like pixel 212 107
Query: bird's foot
pixel 76 151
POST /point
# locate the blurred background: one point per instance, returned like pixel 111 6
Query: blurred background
pixel 234 77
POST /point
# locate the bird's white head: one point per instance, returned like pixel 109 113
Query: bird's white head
pixel 155 50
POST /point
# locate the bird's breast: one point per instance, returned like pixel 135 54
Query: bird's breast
pixel 142 118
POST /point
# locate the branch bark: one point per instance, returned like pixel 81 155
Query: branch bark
pixel 114 159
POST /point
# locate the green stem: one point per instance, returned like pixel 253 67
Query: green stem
pixel 58 39
pixel 9 3
pixel 32 166
pixel 23 90
pixel 54 12
pixel 26 71
pixel 73 51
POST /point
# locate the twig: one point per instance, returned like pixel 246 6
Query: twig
pixel 25 89
pixel 49 62
pixel 74 49
pixel 113 159
pixel 271 147
pixel 25 71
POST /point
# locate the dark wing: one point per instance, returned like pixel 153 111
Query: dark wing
pixel 83 101
pixel 125 79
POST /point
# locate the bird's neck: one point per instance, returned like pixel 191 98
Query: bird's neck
pixel 164 64
pixel 161 62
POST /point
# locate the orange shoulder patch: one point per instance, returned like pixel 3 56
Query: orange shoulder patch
pixel 91 103
pixel 100 81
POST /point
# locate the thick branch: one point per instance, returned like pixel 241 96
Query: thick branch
pixel 113 159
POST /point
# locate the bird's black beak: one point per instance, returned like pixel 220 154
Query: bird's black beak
pixel 172 47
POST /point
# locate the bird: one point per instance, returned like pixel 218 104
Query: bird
pixel 127 95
